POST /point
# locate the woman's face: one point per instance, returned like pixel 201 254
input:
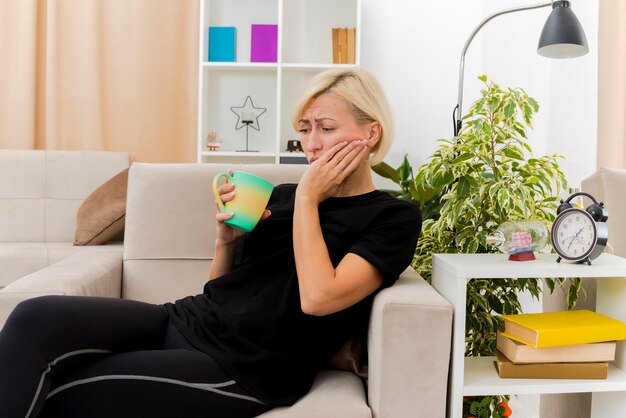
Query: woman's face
pixel 326 122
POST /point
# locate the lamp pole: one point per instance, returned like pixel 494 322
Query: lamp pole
pixel 458 110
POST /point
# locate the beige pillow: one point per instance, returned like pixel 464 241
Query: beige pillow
pixel 351 357
pixel 100 218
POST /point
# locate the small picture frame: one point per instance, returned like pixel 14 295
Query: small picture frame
pixel 294 145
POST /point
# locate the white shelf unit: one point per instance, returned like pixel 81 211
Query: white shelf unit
pixel 304 49
pixel 478 376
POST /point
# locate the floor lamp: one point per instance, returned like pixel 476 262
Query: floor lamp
pixel 562 37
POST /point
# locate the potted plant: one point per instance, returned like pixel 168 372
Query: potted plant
pixel 482 178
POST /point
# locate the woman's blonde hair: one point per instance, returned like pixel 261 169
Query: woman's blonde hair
pixel 364 97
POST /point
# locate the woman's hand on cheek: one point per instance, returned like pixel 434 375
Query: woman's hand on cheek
pixel 325 176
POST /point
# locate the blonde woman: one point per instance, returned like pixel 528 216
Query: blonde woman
pixel 280 300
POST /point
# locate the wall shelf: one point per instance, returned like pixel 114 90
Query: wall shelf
pixel 481 378
pixel 304 49
pixel 239 65
pixel 226 154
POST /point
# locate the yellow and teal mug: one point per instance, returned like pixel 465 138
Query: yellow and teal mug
pixel 251 196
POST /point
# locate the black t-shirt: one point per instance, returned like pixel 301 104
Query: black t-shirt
pixel 250 321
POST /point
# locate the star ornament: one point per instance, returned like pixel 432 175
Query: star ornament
pixel 248 115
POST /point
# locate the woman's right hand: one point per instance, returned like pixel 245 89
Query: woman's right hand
pixel 225 234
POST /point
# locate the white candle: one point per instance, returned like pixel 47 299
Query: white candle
pixel 247 116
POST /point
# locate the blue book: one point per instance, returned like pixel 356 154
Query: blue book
pixel 222 43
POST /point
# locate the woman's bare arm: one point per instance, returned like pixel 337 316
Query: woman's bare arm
pixel 324 289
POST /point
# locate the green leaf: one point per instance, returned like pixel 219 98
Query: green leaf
pixel 483 78
pixel 534 104
pixel 493 190
pixel 486 129
pixel 463 157
pixel 442 178
pixel 493 104
pixel 422 193
pixel 478 106
pixel 522 133
pixel 473 246
pixel 464 186
pixel 528 114
pixel 385 170
pixel 404 171
pixel 513 152
pixel 572 292
pixel 509 109
pixel 503 197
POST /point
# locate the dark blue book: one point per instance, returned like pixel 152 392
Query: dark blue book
pixel 222 43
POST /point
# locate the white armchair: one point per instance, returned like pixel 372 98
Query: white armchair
pixel 168 247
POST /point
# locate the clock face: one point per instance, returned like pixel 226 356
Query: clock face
pixel 574 234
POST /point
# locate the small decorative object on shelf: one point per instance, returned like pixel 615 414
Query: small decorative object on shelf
pixel 222 44
pixel 343 45
pixel 248 116
pixel 294 146
pixel 520 239
pixel 213 141
pixel 579 235
pixel 264 43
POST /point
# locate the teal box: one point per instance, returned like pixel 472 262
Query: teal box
pixel 222 43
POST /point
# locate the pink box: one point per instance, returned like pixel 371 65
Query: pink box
pixel 264 43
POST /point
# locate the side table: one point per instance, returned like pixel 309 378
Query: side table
pixel 475 376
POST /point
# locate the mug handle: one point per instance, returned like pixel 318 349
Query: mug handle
pixel 216 192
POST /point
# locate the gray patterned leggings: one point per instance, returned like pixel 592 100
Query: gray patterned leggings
pixel 69 356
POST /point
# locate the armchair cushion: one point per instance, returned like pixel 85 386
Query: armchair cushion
pixel 86 273
pixel 333 394
pixel 409 344
pixel 101 216
pixel 92 272
pixel 607 185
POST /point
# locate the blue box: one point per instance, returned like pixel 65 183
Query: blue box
pixel 222 43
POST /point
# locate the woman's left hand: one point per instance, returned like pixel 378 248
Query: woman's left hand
pixel 325 176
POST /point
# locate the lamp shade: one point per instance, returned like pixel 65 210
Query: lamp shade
pixel 562 35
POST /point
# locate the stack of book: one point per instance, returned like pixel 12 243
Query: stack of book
pixel 557 345
pixel 344 40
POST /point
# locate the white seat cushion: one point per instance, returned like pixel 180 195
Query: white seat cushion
pixel 18 259
pixel 334 394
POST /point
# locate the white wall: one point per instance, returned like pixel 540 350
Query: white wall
pixel 414 48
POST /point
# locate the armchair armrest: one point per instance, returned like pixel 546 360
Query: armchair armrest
pixel 93 272
pixel 409 350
